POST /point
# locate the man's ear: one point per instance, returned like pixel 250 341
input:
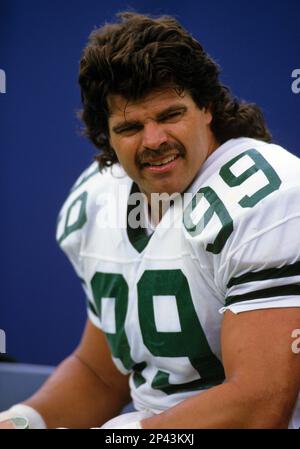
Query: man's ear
pixel 207 114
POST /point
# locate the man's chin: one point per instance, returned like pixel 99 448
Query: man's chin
pixel 163 195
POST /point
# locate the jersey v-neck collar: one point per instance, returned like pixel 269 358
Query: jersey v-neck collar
pixel 138 237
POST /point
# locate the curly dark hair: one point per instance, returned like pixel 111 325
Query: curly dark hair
pixel 139 53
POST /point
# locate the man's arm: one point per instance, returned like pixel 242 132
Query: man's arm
pixel 86 389
pixel 262 377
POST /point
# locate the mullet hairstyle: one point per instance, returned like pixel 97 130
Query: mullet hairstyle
pixel 140 53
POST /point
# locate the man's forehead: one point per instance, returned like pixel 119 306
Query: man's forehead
pixel 160 98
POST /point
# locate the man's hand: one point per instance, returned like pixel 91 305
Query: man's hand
pixel 7 424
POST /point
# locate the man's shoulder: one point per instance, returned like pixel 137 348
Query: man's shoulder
pixel 240 153
pixel 248 186
pixel 91 188
pixel 246 170
pixel 92 179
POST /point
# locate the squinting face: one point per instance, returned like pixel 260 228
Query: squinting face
pixel 161 140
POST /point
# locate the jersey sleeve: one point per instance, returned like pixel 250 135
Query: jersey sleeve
pixel 260 265
pixel 71 227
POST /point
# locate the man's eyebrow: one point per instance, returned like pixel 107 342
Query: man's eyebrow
pixel 120 126
pixel 170 109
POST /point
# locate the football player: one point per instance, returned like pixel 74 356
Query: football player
pixel 187 245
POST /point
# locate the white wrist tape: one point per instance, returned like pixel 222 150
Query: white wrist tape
pixel 35 420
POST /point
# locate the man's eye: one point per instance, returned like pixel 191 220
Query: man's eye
pixel 129 130
pixel 172 116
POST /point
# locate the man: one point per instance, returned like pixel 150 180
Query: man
pixel 191 307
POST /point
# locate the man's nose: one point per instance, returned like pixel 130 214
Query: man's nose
pixel 153 135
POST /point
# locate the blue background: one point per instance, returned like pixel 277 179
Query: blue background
pixel 42 305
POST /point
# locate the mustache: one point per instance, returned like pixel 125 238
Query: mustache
pixel 163 150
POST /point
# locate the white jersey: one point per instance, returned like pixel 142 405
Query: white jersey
pixel 159 298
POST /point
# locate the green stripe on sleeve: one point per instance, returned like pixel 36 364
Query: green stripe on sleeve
pixel 283 290
pixel 92 307
pixel 271 273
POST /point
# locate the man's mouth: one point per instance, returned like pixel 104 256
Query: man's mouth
pixel 161 161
